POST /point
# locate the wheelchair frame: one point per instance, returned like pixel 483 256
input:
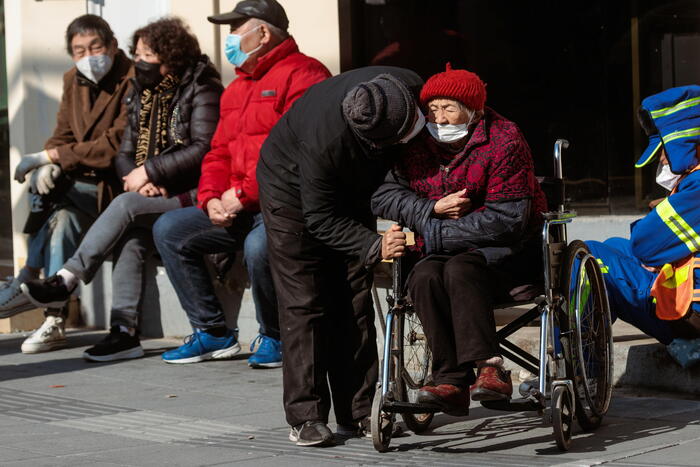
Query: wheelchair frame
pixel 562 365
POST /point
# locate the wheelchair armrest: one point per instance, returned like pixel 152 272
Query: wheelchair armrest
pixel 559 217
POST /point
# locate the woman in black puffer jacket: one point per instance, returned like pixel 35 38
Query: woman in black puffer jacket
pixel 173 112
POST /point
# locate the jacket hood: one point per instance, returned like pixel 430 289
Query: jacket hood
pixel 671 120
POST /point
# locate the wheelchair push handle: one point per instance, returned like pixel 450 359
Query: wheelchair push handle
pixel 558 146
pixel 559 172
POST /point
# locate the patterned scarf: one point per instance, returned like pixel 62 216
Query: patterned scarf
pixel 153 119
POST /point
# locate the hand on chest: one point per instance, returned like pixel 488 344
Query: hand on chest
pixel 434 177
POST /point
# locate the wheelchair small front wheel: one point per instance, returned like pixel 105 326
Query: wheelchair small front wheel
pixel 381 423
pixel 562 417
pixel 415 371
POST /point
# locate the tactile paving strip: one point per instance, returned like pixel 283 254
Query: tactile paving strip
pixel 167 428
pixel 49 408
pixel 151 426
pixel 276 443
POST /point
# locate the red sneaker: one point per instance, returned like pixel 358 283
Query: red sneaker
pixel 452 400
pixel 493 383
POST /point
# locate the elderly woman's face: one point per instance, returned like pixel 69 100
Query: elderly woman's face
pixel 144 53
pixel 447 111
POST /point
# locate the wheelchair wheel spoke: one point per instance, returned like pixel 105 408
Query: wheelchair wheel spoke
pixel 416 370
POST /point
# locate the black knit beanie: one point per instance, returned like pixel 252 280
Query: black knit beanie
pixel 381 111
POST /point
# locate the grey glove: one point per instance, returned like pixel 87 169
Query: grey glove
pixel 30 162
pixel 43 179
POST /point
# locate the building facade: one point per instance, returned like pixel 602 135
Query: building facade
pixel 574 70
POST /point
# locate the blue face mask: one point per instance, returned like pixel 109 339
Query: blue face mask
pixel 232 49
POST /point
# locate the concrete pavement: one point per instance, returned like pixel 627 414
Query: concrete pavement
pixel 56 409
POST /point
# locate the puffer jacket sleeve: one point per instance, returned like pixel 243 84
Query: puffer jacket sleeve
pixel 216 165
pixel 395 200
pixel 124 160
pixel 497 224
pixel 175 171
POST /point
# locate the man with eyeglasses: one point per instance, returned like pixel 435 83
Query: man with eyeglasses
pixel 653 279
pixel 72 179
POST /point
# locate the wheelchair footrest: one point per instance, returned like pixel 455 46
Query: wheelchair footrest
pixel 408 407
pixel 524 404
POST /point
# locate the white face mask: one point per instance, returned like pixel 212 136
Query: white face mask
pixel 665 177
pixel 447 133
pixel 417 127
pixel 94 67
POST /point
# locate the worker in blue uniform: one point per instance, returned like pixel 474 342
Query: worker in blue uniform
pixel 652 278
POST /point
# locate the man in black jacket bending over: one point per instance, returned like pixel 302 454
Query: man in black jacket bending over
pixel 316 173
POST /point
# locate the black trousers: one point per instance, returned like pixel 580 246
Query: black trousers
pixel 326 322
pixel 454 297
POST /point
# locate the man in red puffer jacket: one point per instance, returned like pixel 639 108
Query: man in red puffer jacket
pixel 272 74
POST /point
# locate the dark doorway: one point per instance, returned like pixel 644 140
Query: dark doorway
pixel 574 70
pixel 5 201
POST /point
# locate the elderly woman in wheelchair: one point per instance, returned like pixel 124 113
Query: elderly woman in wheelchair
pixel 467 187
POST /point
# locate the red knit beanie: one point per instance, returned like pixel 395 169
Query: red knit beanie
pixel 460 85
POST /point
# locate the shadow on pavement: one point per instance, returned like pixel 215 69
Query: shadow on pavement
pixel 73 339
pixel 48 367
pixel 75 342
pixel 494 433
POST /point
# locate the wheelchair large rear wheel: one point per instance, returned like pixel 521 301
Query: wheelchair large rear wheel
pixel 415 367
pixel 589 334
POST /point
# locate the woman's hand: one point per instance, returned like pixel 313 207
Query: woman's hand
pixel 452 206
pixel 136 179
pixel 393 242
pixel 150 190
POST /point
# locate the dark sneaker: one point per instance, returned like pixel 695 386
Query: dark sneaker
pixel 47 293
pixel 493 383
pixel 452 400
pixel 356 429
pixel 117 345
pixel 311 434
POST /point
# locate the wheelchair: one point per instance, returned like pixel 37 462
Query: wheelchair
pixel 574 365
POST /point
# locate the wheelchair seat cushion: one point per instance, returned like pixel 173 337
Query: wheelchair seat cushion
pixel 526 292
